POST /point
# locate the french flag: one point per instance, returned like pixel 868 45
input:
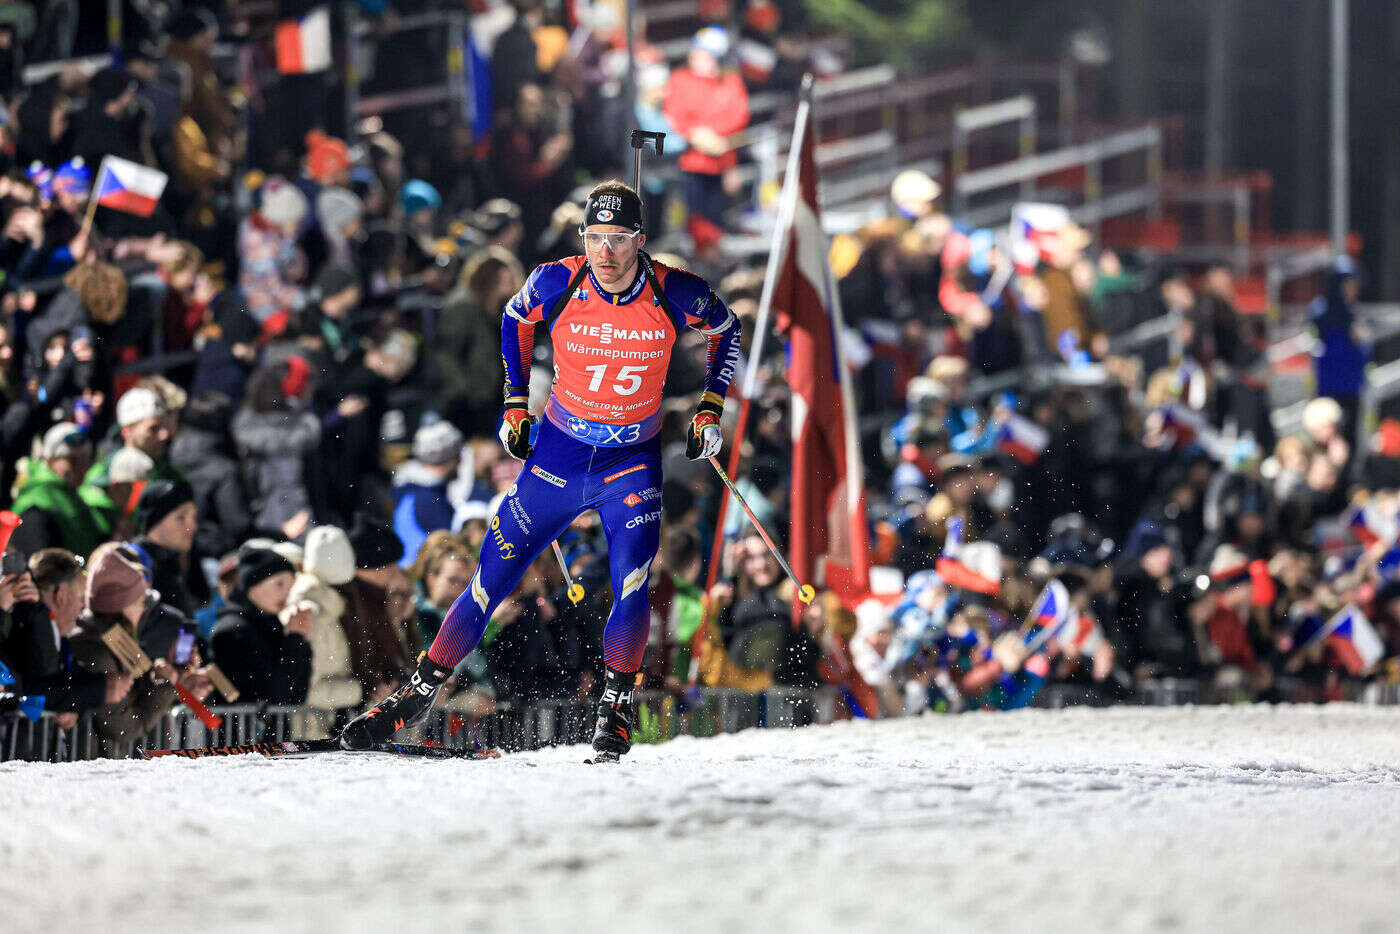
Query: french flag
pixel 1023 439
pixel 1351 635
pixel 303 45
pixel 129 186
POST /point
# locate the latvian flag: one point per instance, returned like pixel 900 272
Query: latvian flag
pixel 1351 635
pixel 129 186
pixel 1023 439
pixel 304 44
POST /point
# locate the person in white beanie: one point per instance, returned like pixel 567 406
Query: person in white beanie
pixel 421 501
pixel 327 563
pixel 271 265
pixel 145 429
pixel 339 210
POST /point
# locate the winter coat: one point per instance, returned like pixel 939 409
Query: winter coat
pixel 54 514
pixel 44 663
pixel 272 446
pixel 467 356
pixel 720 103
pixel 420 506
pixel 1150 625
pixel 1340 365
pixel 265 662
pixel 132 717
pixel 218 370
pixel 224 518
pixel 379 648
pixel 176 577
pixel 271 267
pixel 333 685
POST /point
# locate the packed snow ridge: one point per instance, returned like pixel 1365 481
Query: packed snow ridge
pixel 1209 819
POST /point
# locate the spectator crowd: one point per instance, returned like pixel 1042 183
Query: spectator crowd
pixel 250 438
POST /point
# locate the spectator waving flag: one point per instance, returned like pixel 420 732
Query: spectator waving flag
pixel 1050 613
pixel 129 186
pixel 1023 439
pixel 1352 637
pixel 304 43
pixel 1371 524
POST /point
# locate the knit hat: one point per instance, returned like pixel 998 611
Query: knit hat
pixel 338 208
pixel 335 278
pixel 191 22
pixel 325 155
pixel 137 405
pixel 62 440
pixel 712 39
pixel 374 544
pixel 114 582
pixel 129 465
pixel 160 499
pixel 236 323
pixel 258 564
pixel 437 443
pixel 417 195
pixel 293 552
pixel 1144 537
pixel 282 203
pixel 329 555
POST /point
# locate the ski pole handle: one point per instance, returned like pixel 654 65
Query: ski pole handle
pixel 805 592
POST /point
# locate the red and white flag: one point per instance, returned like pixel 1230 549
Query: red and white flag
pixel 128 186
pixel 304 44
pixel 829 533
pixel 1023 439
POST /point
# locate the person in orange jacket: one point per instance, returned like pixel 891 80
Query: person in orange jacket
pixel 707 104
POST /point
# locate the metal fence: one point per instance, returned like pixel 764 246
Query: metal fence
pixel 661 717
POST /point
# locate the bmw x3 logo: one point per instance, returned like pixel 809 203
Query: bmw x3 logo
pixel 578 426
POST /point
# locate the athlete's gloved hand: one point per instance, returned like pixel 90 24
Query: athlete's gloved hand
pixel 703 437
pixel 515 426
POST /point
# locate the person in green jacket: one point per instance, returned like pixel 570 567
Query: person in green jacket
pixel 146 425
pixel 53 513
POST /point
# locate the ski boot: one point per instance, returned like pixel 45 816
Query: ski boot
pixel 406 706
pixel 612 733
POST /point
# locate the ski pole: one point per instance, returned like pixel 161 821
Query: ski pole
pixel 575 590
pixel 805 593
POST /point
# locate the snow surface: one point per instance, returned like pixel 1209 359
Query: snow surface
pixel 1209 819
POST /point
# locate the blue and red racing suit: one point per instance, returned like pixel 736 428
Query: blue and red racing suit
pixel 597 446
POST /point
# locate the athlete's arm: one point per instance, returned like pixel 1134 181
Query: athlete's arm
pixel 518 321
pixel 704 311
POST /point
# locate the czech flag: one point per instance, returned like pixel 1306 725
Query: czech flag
pixel 130 187
pixel 1050 612
pixel 1023 439
pixel 1370 526
pixel 1034 228
pixel 304 44
pixel 1351 635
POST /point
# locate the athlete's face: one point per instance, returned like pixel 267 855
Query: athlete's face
pixel 612 254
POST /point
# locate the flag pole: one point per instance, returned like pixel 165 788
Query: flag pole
pixel 777 254
pixel 93 195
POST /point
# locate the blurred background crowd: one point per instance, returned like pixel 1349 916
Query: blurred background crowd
pixel 254 431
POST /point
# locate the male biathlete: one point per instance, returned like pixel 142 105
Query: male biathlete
pixel 613 315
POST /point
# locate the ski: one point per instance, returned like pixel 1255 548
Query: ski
pixel 303 748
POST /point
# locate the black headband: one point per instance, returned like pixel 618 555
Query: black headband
pixel 621 208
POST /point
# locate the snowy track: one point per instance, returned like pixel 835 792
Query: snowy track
pixel 1207 820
